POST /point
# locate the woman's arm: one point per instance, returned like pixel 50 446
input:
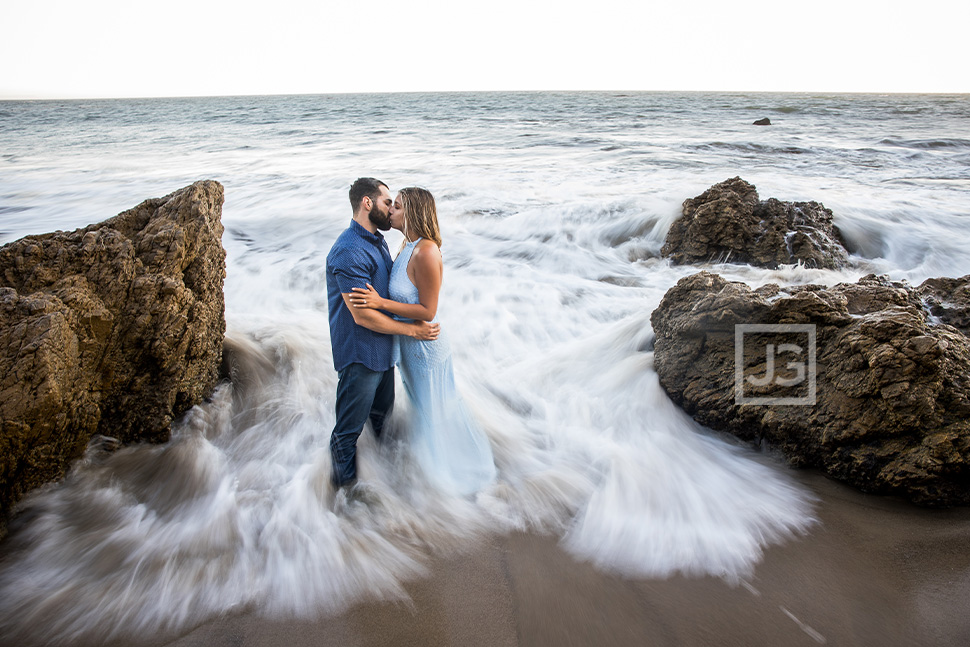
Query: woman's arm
pixel 380 322
pixel 425 271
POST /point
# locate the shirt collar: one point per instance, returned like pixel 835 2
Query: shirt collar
pixel 376 237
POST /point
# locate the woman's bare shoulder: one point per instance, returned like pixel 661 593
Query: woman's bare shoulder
pixel 427 248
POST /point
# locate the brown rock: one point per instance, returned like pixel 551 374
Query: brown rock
pixel 114 329
pixel 890 412
pixel 949 301
pixel 729 223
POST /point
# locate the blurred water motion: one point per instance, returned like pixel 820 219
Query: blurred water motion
pixel 553 217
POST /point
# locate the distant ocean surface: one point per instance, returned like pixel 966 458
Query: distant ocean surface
pixel 554 207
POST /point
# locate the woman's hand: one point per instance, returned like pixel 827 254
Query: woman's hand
pixel 368 298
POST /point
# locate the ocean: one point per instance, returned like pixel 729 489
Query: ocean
pixel 554 207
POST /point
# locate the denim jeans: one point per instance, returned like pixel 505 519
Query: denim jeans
pixel 362 394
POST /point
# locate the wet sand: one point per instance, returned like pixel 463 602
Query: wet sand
pixel 875 571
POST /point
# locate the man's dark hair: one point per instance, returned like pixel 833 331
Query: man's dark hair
pixel 364 186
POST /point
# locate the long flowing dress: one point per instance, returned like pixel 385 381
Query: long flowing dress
pixel 449 447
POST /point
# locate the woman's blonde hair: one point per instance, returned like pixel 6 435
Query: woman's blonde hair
pixel 420 214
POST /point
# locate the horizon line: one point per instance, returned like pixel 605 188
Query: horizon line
pixel 24 97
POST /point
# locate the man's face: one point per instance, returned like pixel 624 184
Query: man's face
pixel 380 212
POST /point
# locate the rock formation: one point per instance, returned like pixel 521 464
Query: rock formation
pixel 114 329
pixel 762 122
pixel 729 223
pixel 890 408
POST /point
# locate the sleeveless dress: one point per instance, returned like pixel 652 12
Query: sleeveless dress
pixel 450 449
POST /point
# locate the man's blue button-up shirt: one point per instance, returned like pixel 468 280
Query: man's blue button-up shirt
pixel 357 258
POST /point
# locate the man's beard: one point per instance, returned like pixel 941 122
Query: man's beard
pixel 380 219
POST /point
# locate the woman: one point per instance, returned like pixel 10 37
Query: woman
pixel 451 450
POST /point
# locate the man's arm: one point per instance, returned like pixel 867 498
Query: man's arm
pixel 380 322
pixel 426 262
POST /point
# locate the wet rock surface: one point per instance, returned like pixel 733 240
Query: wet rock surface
pixel 730 223
pixel 111 330
pixel 890 408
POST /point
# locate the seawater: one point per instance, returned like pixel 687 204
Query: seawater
pixel 554 207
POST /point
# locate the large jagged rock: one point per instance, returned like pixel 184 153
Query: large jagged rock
pixel 114 329
pixel 890 412
pixel 729 223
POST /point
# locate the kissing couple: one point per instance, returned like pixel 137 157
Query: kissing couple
pixel 384 313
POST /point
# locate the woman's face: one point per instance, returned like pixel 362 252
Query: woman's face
pixel 397 213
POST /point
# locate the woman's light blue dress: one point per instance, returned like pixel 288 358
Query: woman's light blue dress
pixel 450 449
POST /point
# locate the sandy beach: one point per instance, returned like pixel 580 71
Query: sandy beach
pixel 874 571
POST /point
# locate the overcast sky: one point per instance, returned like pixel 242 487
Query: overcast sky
pixel 128 48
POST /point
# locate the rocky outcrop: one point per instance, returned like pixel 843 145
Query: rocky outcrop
pixel 729 223
pixel 114 329
pixel 890 407
pixel 763 122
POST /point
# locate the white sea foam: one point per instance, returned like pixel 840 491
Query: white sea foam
pixel 553 220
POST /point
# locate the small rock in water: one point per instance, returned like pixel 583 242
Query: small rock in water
pixel 763 122
pixel 730 223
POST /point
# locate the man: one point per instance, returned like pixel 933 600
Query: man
pixel 361 339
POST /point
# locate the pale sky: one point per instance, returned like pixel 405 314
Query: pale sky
pixel 131 48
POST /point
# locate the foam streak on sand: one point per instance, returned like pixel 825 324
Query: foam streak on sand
pixel 816 636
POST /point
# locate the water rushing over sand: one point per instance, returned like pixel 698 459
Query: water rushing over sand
pixel 554 208
pixel 236 511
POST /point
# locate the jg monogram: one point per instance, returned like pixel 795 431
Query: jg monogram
pixel 799 370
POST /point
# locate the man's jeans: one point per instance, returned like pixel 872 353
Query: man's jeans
pixel 361 394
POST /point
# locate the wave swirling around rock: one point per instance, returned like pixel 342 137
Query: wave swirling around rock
pixel 114 329
pixel 729 223
pixel 890 408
